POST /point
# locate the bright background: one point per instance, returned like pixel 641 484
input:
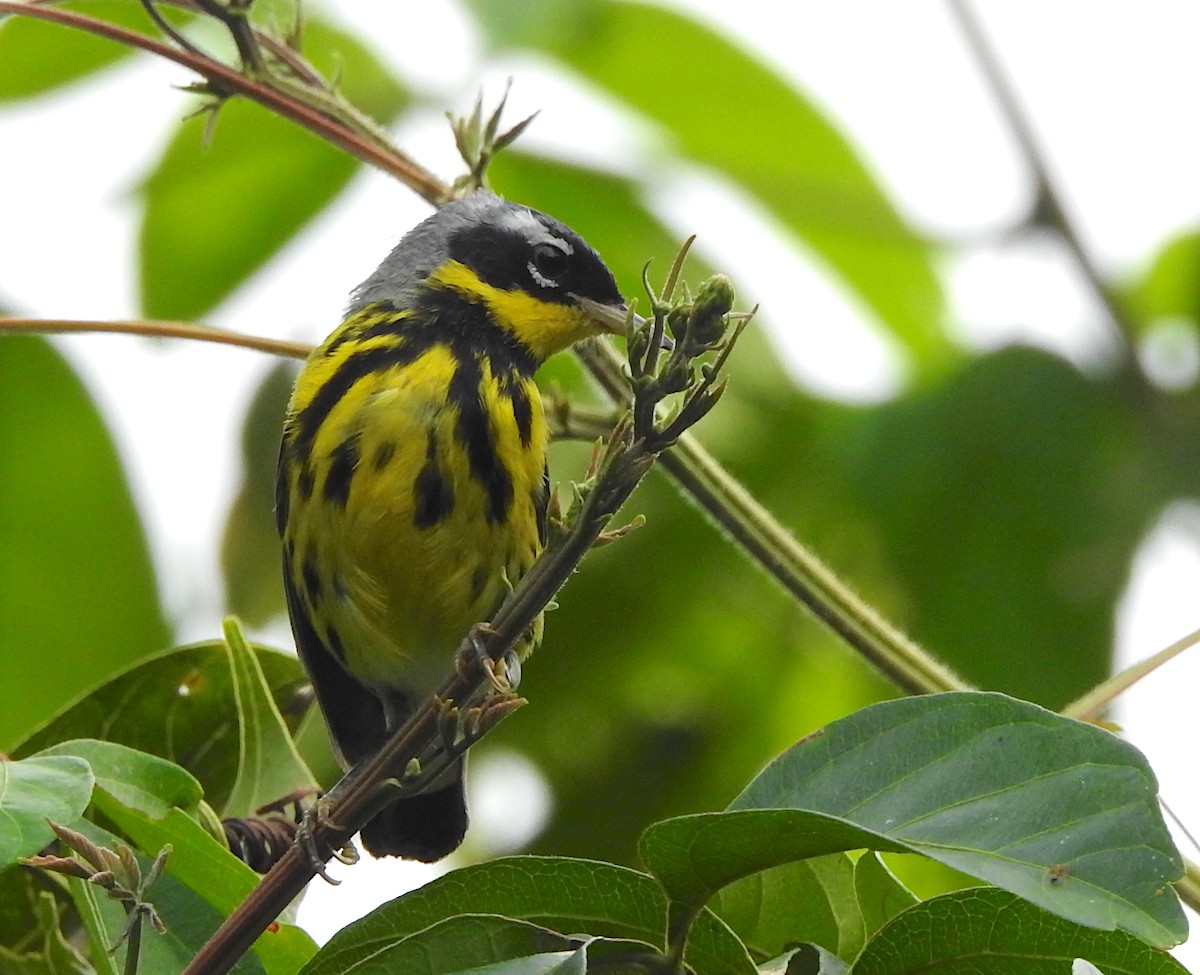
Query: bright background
pixel 1109 89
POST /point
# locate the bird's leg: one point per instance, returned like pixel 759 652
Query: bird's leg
pixel 318 854
pixel 504 674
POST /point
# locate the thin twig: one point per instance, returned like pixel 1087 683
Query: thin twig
pixel 156 328
pixel 1049 205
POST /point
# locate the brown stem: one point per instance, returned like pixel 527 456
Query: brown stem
pixel 227 80
pixel 161 329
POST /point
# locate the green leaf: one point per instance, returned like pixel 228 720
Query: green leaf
pixel 34 790
pixel 727 111
pixel 832 901
pixel 456 944
pixel 220 203
pixel 1060 812
pixel 55 954
pixel 180 705
pixel 791 903
pixel 1032 566
pixel 37 56
pixel 78 599
pixel 879 895
pixel 1171 287
pixel 557 893
pixel 994 931
pixel 269 767
pixel 250 552
pixel 135 779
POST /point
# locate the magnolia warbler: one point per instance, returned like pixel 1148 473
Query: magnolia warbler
pixel 412 487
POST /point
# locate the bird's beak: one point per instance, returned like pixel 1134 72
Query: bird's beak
pixel 611 318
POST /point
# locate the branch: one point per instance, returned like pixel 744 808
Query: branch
pixel 332 119
pixel 159 329
pixel 1048 206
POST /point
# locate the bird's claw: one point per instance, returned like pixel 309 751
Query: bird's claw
pixel 318 854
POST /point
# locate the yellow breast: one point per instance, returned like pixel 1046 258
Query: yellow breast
pixel 425 500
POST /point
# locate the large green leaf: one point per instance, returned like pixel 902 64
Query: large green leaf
pixel 557 893
pixel 993 931
pixel 726 110
pixel 78 599
pixel 1062 813
pixel 137 780
pixel 180 705
pixel 457 944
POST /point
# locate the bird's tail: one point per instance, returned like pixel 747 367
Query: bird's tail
pixel 424 827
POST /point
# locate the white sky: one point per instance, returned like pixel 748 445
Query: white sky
pixel 1110 88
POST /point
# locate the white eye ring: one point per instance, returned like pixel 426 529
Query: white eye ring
pixel 540 278
pixel 550 262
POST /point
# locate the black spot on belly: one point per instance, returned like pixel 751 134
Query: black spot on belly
pixel 342 462
pixel 433 497
pixel 478 582
pixel 305 482
pixel 383 454
pixel 312 580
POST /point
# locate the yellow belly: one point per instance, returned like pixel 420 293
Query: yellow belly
pixel 417 553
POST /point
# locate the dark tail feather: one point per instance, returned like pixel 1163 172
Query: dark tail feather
pixel 425 827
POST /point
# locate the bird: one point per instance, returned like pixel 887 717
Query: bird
pixel 412 484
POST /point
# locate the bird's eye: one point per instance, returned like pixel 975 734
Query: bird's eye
pixel 548 264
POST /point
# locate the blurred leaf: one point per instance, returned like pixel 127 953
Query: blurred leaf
pixel 1008 501
pixel 54 955
pixel 38 57
pixel 1062 813
pixel 250 559
pixel 558 893
pixel 991 930
pixel 1171 287
pixel 182 706
pixel 32 791
pixel 217 209
pixel 78 599
pixel 269 767
pixel 135 779
pixel 730 112
pixel 357 73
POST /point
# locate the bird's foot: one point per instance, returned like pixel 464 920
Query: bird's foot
pixel 319 852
